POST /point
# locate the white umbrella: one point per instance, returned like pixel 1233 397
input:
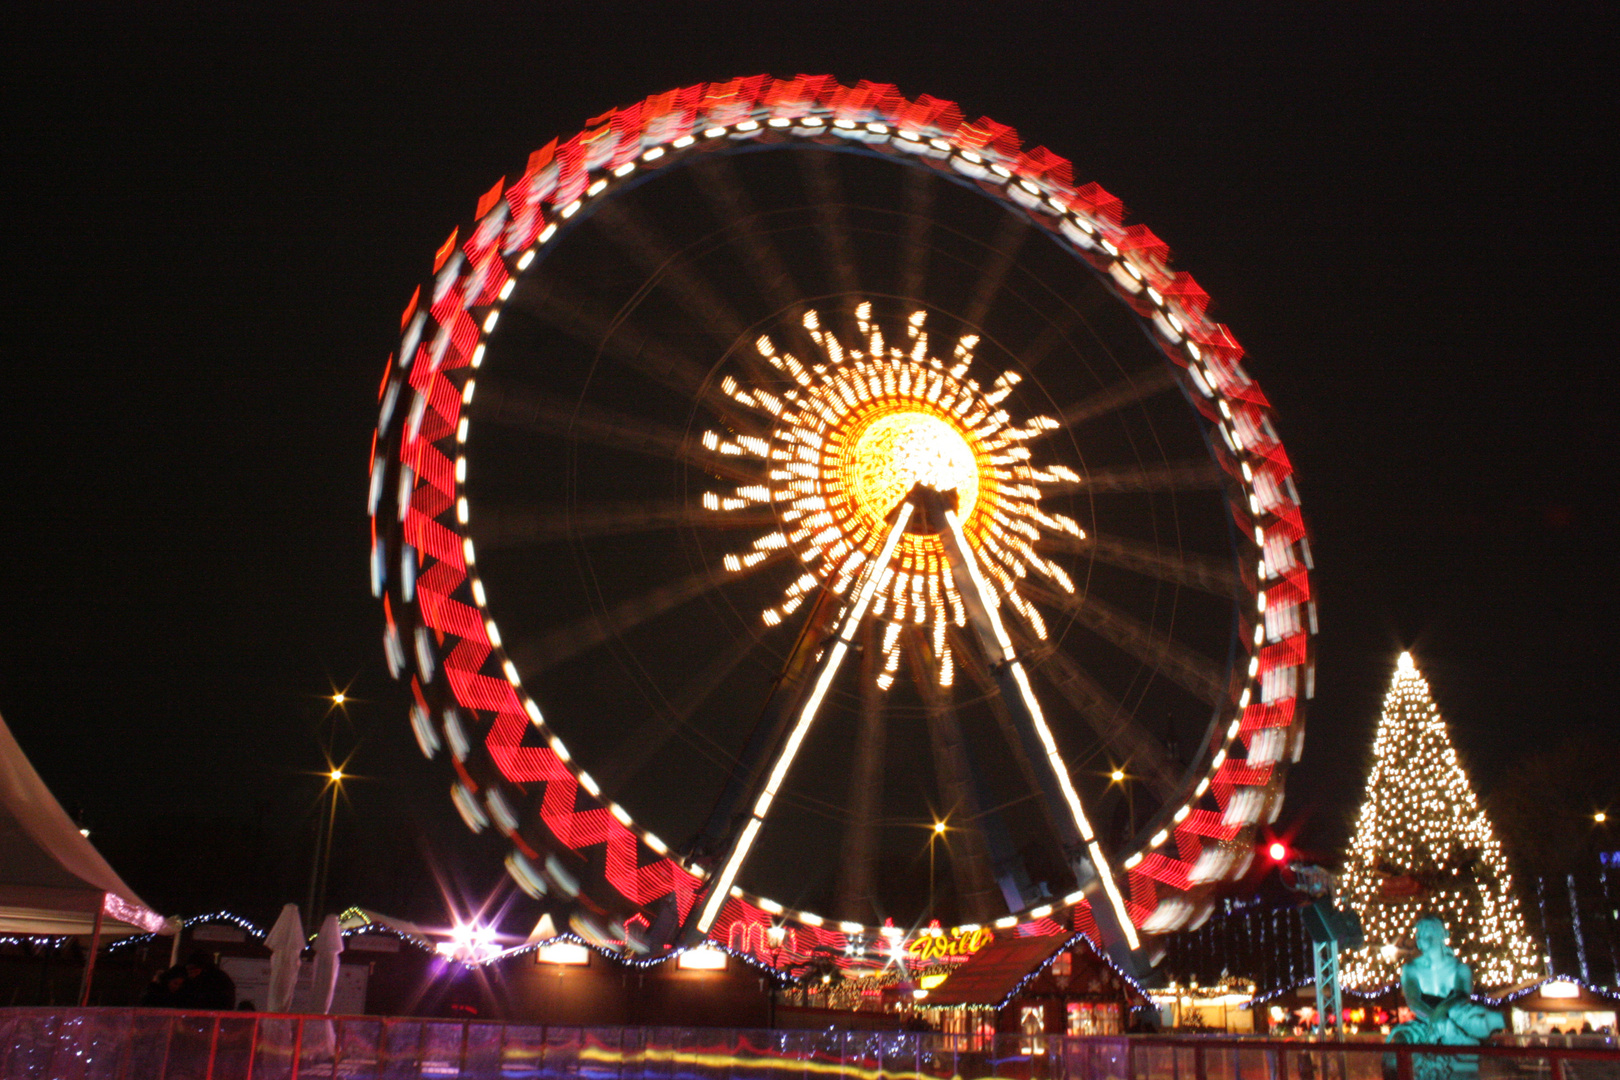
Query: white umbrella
pixel 286 942
pixel 328 944
pixel 176 926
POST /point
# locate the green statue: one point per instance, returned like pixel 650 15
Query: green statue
pixel 1438 987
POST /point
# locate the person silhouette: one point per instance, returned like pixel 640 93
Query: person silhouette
pixel 206 986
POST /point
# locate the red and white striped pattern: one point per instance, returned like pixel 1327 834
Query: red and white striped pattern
pixel 1208 838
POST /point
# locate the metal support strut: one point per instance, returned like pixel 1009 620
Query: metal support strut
pixel 1080 843
pixel 737 851
pixel 927 510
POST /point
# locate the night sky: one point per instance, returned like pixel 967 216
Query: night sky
pixel 1405 212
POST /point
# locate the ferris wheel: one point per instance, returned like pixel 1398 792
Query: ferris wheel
pixel 801 514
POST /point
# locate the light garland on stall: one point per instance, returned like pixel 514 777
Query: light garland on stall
pixel 1419 820
pixel 251 929
pixel 35 941
pixel 1535 988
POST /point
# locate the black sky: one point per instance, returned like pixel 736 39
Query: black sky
pixel 1406 212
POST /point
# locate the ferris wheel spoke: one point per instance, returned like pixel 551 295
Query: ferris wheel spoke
pixel 826 192
pixel 729 200
pixel 666 266
pixel 1174 476
pixel 535 411
pixel 1113 724
pixel 972 662
pixel 505 526
pixel 1214 576
pixel 971 865
pixel 860 843
pixel 1127 391
pixel 654 733
pixel 1009 238
pixel 553 302
pixel 1193 672
pixel 1053 333
pixel 566 642
pixel 919 200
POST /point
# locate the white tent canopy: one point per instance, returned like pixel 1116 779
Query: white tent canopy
pixel 52 879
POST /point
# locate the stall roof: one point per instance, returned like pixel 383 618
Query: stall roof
pixel 991 975
pixel 357 917
pixel 52 879
pixel 1567 995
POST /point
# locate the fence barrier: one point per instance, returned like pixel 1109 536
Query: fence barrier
pixel 160 1044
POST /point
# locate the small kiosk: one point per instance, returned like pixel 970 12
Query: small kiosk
pixel 1559 1006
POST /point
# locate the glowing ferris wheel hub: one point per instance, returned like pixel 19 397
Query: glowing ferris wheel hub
pixel 896 450
pixel 854 431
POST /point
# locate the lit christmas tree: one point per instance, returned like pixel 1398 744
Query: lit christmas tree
pixel 1423 844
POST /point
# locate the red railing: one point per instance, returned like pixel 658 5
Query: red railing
pixel 1225 1058
pixel 156 1044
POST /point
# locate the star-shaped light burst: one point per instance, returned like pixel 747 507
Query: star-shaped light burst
pixel 851 434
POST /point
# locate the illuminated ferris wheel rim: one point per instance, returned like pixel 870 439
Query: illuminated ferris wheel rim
pixel 562 184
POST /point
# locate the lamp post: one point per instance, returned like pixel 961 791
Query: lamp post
pixel 1120 777
pixel 335 776
pixel 323 847
pixel 939 830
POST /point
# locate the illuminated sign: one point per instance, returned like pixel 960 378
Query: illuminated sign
pixel 956 943
pixel 701 959
pixel 565 953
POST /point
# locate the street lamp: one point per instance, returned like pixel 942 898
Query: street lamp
pixel 1118 776
pixel 326 732
pixel 1600 817
pixel 939 831
pixel 323 847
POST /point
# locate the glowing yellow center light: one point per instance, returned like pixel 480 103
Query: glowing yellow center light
pixel 850 433
pixel 895 451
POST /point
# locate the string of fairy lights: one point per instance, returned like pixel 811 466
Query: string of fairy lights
pixel 1423 844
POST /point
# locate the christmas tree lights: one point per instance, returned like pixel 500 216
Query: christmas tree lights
pixel 1423 844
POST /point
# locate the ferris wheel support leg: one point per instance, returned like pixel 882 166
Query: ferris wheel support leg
pixel 1084 851
pixel 776 719
pixel 704 914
